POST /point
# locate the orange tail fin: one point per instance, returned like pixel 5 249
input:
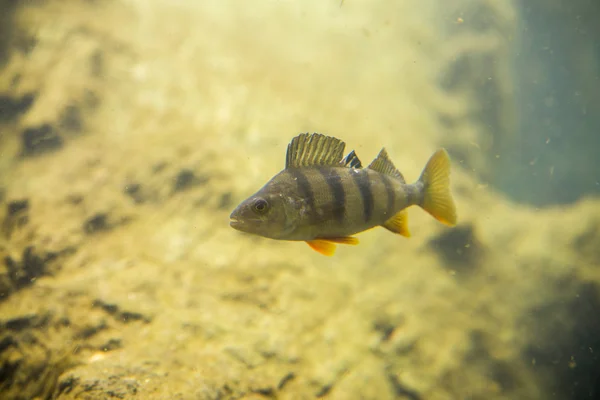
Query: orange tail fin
pixel 437 199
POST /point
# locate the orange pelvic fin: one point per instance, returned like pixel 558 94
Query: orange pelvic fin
pixel 326 246
pixel 342 240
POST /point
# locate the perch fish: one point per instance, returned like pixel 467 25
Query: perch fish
pixel 323 198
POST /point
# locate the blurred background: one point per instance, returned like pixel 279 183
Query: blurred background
pixel 130 129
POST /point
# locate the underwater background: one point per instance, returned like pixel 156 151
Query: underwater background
pixel 130 129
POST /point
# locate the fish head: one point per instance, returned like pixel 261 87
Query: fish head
pixel 267 214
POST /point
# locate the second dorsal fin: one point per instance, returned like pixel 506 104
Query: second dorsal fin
pixel 311 150
pixel 384 165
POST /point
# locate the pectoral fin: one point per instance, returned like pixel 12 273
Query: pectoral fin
pixel 398 224
pixel 326 246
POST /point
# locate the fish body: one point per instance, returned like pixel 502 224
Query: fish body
pixel 337 201
pixel 324 198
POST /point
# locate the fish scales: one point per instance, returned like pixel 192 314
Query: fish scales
pixel 337 191
pixel 341 204
pixel 390 192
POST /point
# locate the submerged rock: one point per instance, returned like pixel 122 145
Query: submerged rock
pixel 40 139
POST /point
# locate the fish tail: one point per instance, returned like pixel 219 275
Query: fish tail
pixel 435 182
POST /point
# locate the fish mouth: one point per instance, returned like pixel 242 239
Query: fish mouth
pixel 244 225
pixel 234 223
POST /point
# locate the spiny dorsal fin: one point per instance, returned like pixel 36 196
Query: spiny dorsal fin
pixel 311 150
pixel 351 161
pixel 383 164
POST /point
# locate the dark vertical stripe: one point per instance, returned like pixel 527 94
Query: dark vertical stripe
pixel 337 192
pixel 304 187
pixel 391 194
pixel 361 178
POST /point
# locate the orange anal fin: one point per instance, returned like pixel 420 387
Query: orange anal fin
pixel 326 246
pixel 398 224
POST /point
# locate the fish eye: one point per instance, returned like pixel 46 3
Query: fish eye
pixel 260 206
